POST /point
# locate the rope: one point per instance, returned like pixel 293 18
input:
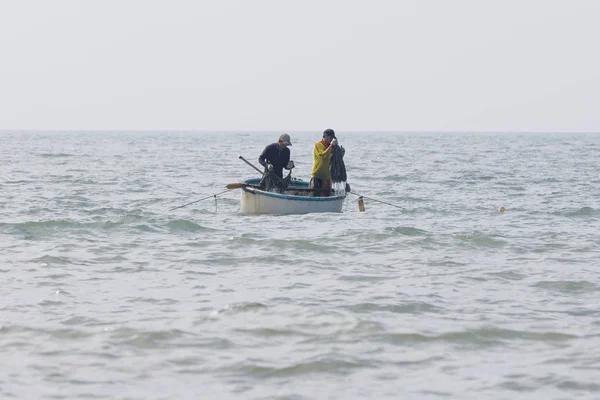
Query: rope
pixel 379 201
pixel 204 198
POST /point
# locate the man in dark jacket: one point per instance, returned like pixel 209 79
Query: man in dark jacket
pixel 278 155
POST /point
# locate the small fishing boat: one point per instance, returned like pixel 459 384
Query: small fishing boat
pixel 296 199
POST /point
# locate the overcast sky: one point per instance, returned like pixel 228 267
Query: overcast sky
pixel 405 65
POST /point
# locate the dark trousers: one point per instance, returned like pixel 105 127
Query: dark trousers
pixel 323 185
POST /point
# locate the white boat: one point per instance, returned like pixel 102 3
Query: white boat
pixel 295 200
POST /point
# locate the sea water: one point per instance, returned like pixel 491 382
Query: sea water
pixel 107 294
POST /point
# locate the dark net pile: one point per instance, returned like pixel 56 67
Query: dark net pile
pixel 337 168
pixel 273 183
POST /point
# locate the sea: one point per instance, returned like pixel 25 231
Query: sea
pixel 473 273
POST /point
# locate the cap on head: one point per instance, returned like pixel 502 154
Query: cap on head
pixel 285 139
pixel 329 132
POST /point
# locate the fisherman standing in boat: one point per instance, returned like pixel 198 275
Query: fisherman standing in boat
pixel 322 152
pixel 278 156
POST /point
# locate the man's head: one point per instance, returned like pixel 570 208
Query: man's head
pixel 284 140
pixel 329 132
pixel 328 136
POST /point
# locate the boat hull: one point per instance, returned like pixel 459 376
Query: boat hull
pixel 255 201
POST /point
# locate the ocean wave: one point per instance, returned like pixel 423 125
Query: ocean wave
pixel 329 365
pixel 239 308
pixel 407 231
pixel 394 178
pixel 81 321
pixel 51 260
pixel 508 275
pixel 271 332
pixel 581 212
pixel 129 218
pixel 184 225
pixel 60 333
pixel 481 240
pixel 526 383
pixel 480 335
pixel 146 228
pixel 152 300
pixel 407 308
pixel 55 155
pixel 53 225
pixel 284 244
pixel 366 278
pixel 44 225
pixel 568 286
pixel 145 339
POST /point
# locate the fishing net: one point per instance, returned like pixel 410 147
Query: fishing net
pixel 337 168
pixel 338 188
pixel 270 182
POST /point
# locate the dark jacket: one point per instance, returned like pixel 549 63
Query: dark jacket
pixel 279 158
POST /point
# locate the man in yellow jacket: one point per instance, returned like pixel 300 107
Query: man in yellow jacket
pixel 321 177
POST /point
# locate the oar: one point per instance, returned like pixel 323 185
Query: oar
pixel 247 162
pixel 238 185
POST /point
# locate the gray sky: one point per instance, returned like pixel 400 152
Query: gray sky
pixel 460 65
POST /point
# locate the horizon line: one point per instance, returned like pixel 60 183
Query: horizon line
pixel 292 131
